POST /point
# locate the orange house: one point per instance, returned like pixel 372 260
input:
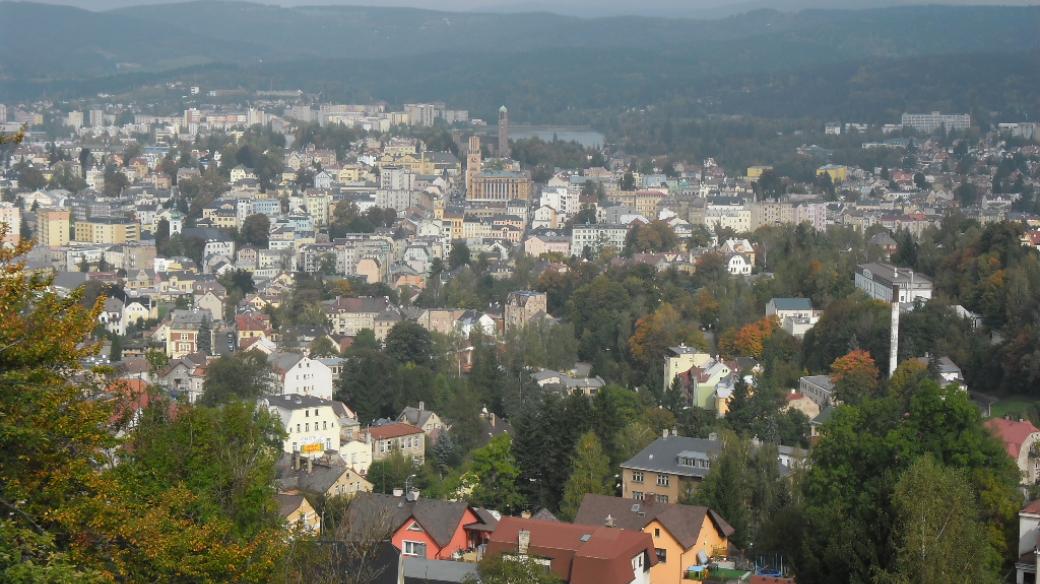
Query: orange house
pixel 683 535
pixel 424 528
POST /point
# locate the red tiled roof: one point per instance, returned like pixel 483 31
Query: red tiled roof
pixel 580 554
pixel 1032 507
pixel 1012 433
pixel 394 430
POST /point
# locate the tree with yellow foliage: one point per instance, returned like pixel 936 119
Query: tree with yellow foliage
pixel 77 504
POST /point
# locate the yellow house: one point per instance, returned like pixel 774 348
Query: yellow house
pixel 297 513
pixel 684 535
pixel 755 172
pixel 839 173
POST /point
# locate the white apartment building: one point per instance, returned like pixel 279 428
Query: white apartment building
pixel 596 237
pixel 311 424
pixel 879 279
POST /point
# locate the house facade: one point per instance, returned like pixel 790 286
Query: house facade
pixel 310 423
pixel 681 533
pixel 667 468
pixel 398 436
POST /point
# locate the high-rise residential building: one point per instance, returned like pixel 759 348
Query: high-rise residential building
pixel 12 216
pixel 52 227
pixel 503 132
pixel 108 230
pixel 97 118
pixel 931 122
pixel 74 119
pixel 421 114
pixel 3 113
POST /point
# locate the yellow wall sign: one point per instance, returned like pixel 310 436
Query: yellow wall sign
pixel 312 448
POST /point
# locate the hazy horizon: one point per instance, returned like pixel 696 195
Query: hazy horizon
pixel 587 8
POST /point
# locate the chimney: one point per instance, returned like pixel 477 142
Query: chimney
pixel 664 433
pixel 523 542
pixel 491 419
pixel 525 514
pixel 413 495
pixel 422 406
pixel 610 520
pixel 310 465
pixel 398 492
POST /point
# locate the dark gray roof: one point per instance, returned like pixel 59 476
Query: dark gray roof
pixel 294 401
pixel 287 503
pixel 663 455
pixel 414 416
pixel 823 417
pixel 423 571
pixel 438 518
pixel 70 280
pixel 323 474
pixel 682 521
pixel 792 303
pixel 283 361
pixel 890 274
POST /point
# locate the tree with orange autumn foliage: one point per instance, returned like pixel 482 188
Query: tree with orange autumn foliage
pixel 855 376
pixel 659 330
pixel 749 340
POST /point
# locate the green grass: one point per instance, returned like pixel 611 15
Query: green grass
pixel 1013 406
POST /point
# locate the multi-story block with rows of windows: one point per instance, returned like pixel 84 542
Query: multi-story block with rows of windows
pixel 668 468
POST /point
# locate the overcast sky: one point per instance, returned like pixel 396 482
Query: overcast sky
pixel 703 8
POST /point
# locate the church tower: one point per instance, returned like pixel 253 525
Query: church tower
pixel 472 163
pixel 503 132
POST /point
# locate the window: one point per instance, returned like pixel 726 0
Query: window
pixel 662 555
pixel 637 495
pixel 415 527
pixel 662 480
pixel 657 532
pixel 637 477
pixel 414 548
pixel 324 425
pixel 662 498
pixel 307 427
pixel 297 427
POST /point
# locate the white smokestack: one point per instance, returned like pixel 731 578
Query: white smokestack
pixel 893 349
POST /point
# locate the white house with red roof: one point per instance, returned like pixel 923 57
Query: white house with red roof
pixel 398 436
pixel 1019 438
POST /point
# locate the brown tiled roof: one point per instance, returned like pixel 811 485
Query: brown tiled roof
pixel 394 430
pixel 682 521
pixel 579 554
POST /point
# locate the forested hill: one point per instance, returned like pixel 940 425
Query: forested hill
pixel 543 63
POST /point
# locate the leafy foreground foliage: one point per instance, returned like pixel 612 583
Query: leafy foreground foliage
pixel 93 493
pixel 879 475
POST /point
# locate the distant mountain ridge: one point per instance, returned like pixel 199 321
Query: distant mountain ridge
pixel 479 59
pixel 83 44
